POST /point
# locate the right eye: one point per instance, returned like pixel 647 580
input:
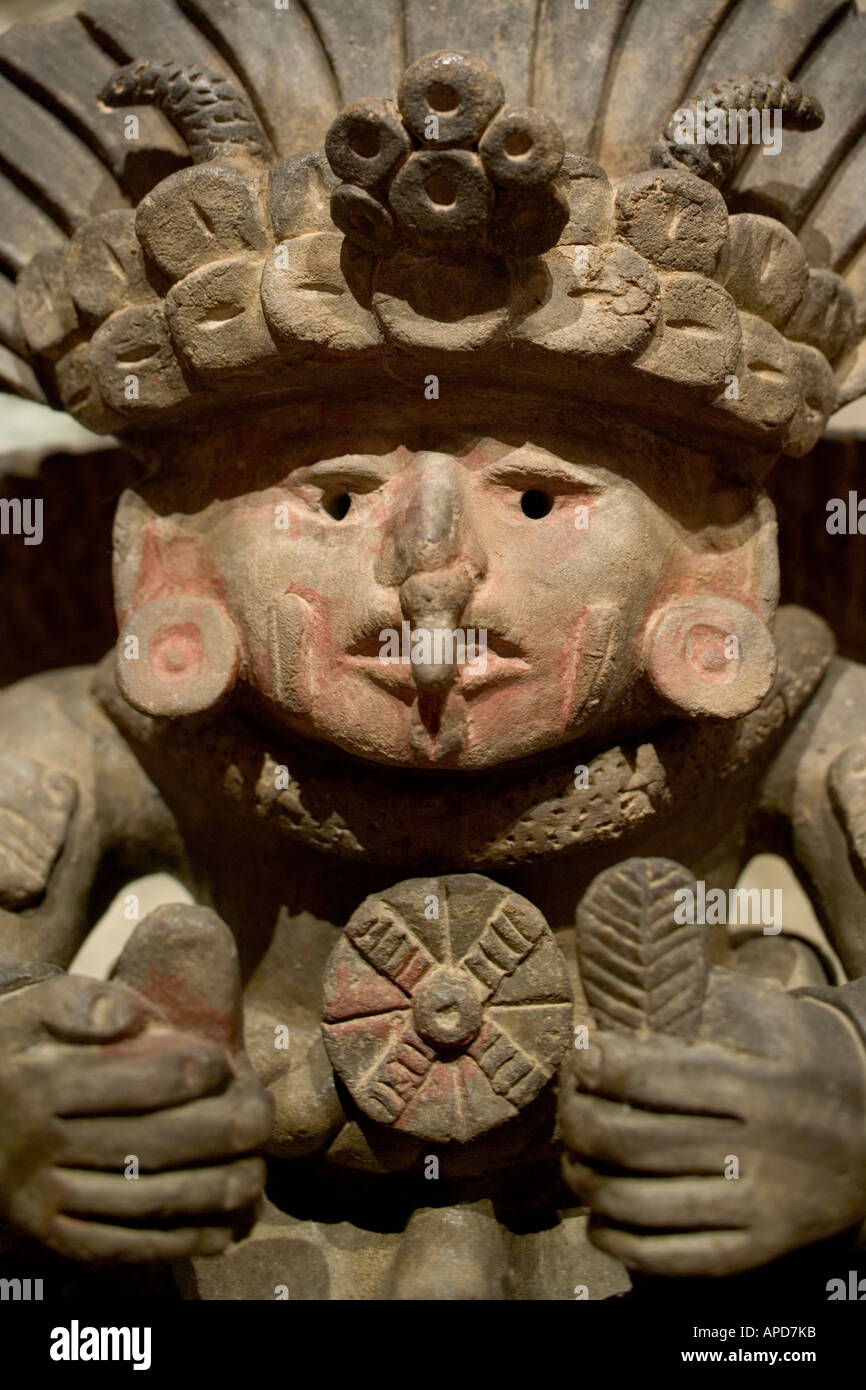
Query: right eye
pixel 338 488
pixel 337 505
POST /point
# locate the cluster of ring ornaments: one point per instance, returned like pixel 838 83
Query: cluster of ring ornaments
pixel 471 235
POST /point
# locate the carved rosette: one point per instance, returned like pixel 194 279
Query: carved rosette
pixel 447 1006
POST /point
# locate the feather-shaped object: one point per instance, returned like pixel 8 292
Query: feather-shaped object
pixel 642 970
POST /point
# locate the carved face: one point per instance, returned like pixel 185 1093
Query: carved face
pixel 458 600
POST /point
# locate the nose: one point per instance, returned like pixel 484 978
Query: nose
pixel 436 560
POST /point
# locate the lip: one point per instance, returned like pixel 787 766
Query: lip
pixel 505 662
pixel 396 677
pixel 498 671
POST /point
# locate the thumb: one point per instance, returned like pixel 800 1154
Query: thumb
pixel 183 959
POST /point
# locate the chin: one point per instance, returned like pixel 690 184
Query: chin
pixel 453 734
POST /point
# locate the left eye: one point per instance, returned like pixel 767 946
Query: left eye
pixel 536 503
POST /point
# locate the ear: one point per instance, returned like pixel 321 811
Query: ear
pixel 710 656
pixel 177 656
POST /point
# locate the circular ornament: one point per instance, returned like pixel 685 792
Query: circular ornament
pixel 447 1006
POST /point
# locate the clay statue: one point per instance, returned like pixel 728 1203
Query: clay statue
pixel 450 675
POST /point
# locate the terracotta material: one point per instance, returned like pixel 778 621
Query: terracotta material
pixel 449 657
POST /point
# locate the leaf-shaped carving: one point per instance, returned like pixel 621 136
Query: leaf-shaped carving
pixel 642 970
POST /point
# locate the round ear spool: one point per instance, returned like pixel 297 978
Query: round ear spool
pixel 711 656
pixel 177 656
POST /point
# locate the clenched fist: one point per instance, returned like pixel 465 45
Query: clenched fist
pixel 149 1067
pixel 773 1093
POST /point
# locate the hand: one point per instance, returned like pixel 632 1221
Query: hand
pixel 94 1072
pixel 775 1082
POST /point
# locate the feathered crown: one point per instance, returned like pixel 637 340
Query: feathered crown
pixel 453 231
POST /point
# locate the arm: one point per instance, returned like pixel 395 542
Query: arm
pixel 717 1156
pixel 148 1065
pixel 818 788
pixel 76 811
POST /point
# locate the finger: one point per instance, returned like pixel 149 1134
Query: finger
pixel 79 1010
pixel 92 1240
pixel 693 1253
pixel 647 1141
pixel 158 1070
pixel 665 1074
pixel 216 1127
pixel 191 1192
pixel 701 1204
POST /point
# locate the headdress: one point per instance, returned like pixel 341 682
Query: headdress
pixel 454 230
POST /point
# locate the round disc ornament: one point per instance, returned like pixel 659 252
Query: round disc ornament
pixel 447 1006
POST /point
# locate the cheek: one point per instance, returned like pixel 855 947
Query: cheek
pixel 559 569
pixel 326 568
pixel 557 540
pixel 581 597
